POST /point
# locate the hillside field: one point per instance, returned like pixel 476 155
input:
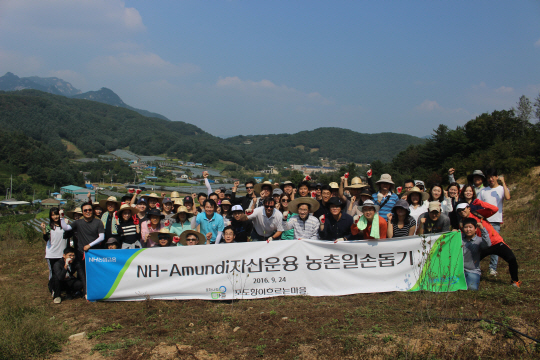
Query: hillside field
pixel 367 326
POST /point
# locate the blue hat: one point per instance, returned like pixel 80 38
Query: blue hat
pixel 142 201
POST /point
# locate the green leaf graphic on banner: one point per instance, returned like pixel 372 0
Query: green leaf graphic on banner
pixel 442 268
pixel 121 274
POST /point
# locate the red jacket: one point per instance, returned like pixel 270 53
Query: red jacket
pixel 486 210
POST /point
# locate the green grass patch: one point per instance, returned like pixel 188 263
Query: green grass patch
pixel 104 330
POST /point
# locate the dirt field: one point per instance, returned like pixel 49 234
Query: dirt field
pixel 366 326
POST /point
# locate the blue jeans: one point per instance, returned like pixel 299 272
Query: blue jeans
pixel 494 260
pixel 473 281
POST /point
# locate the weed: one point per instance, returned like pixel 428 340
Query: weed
pixel 489 327
pixel 107 349
pixel 104 330
pixel 273 312
pixel 260 349
pixel 387 339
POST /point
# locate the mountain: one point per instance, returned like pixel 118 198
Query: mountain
pixel 53 85
pixel 107 96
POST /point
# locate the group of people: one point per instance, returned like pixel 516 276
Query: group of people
pixel 270 212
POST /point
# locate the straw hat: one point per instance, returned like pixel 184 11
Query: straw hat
pixel 226 202
pixel 356 183
pixel 127 207
pixel 423 195
pixel 103 203
pixel 178 202
pixel 282 186
pixel 153 196
pixel 369 203
pixel 334 185
pixel 71 214
pixel 257 188
pixel 386 178
pixel 175 194
pixel 183 209
pixel 293 205
pixel 202 238
pixel 163 232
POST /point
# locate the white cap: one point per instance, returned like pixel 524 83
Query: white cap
pixel 237 208
pixel 462 205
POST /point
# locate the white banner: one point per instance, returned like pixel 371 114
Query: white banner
pixel 294 267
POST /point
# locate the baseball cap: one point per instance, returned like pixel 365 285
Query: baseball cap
pixel 188 199
pixel 461 206
pixel 419 182
pixel 434 206
pixel 142 201
pixel 222 188
pixel 277 191
pixel 237 208
pixel 166 200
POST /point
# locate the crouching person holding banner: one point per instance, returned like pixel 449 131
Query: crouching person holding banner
pixel 68 276
pixel 305 225
pixel 479 210
pixel 473 245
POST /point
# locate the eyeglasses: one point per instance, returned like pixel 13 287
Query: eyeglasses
pixel 87 210
pixel 249 187
pixel 284 200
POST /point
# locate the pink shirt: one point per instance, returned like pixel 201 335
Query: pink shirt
pixel 148 230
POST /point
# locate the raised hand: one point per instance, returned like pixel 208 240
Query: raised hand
pixel 451 171
pixel 389 216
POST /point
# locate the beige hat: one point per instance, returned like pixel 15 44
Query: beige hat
pixel 71 214
pixel 163 231
pixel 103 203
pixel 313 204
pixel 202 239
pixel 127 207
pixel 183 209
pixel 257 188
pixel 386 178
pixel 356 183
pixel 175 194
pixel 334 185
pixel 225 202
pixel 178 201
pixel 153 196
pixel 415 190
pixel 434 206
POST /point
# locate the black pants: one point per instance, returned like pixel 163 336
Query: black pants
pixel 70 286
pixel 502 250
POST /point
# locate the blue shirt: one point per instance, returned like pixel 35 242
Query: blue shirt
pixel 213 225
pixel 388 205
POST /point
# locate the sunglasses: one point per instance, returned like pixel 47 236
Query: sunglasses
pixel 163 238
pixel 249 187
pixel 268 206
pixel 191 239
pixel 87 210
pixel 284 200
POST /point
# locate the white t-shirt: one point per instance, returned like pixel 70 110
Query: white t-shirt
pixel 415 213
pixel 56 244
pixel 493 196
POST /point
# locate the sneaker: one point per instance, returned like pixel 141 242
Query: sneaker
pixel 492 272
pixel 57 300
pixel 516 284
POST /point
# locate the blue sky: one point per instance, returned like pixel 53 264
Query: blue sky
pixel 257 67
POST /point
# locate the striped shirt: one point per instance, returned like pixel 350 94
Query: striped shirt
pixel 386 203
pixel 404 231
pixel 128 232
pixel 308 229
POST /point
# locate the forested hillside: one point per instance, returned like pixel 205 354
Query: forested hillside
pixel 97 128
pixel 338 144
pixel 501 140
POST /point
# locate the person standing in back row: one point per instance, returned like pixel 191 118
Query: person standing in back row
pixel 385 198
pixel 494 194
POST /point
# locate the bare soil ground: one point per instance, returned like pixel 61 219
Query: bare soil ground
pixel 365 326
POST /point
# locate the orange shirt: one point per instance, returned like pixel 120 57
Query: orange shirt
pixel 383 226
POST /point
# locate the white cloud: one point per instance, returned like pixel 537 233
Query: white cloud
pixel 19 64
pixel 61 20
pixel 142 64
pixel 537 43
pixel 504 89
pixel 428 105
pixel 266 87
